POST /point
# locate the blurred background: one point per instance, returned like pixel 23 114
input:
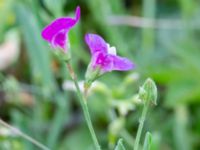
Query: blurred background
pixel 37 96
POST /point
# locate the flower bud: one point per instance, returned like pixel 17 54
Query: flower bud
pixel 148 92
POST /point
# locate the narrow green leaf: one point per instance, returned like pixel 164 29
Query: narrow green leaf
pixel 148 34
pixel 147 141
pixel 38 53
pixel 120 145
pixel 180 129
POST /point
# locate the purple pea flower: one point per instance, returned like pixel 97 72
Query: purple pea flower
pixel 56 33
pixel 104 57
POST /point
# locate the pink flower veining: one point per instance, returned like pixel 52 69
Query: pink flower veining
pixel 104 56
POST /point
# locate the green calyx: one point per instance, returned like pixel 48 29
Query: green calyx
pixel 62 55
pixel 91 75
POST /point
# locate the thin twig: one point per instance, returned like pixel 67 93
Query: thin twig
pixel 142 22
pixel 20 133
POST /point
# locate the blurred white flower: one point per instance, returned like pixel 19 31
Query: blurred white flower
pixel 5 132
pixel 9 50
pixel 131 78
pixel 69 85
pixel 96 86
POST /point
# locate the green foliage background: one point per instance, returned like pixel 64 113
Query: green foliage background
pixel 32 97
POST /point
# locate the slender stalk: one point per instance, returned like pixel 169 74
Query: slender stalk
pixel 84 106
pixel 18 132
pixel 148 94
pixel 141 124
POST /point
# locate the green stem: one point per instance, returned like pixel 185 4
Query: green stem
pixel 141 124
pixel 18 132
pixel 84 106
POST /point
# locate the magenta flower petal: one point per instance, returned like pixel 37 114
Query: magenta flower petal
pixel 121 63
pixel 56 26
pixel 95 43
pixel 56 32
pixel 78 13
pixel 109 62
pixel 104 56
